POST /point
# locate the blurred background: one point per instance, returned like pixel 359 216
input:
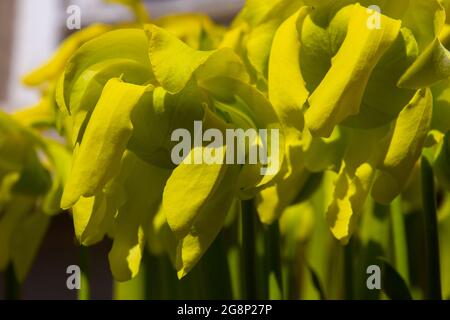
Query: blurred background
pixel 30 31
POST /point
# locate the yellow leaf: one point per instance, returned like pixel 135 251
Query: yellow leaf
pixel 287 91
pixel 88 214
pixel 408 137
pixel 174 63
pixel 364 153
pixel 352 188
pixel 430 67
pixel 196 200
pixel 143 186
pixel 340 93
pixel 108 131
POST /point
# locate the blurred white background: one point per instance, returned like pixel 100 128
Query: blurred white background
pixel 31 30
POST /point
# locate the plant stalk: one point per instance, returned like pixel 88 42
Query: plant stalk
pixel 348 271
pixel 249 250
pixel 272 256
pixel 84 292
pixel 215 264
pixel 12 287
pixel 433 288
pixel 400 241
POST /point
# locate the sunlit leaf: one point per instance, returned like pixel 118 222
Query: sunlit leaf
pixel 174 63
pixel 107 134
pixel 341 91
pixel 408 137
pixel 143 187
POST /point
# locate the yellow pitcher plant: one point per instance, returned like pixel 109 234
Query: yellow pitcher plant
pixel 358 93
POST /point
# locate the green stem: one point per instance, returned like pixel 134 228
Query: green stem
pixel 433 290
pixel 348 271
pixel 154 277
pixel 249 250
pixel 400 241
pixel 134 289
pixel 12 287
pixel 234 257
pixel 215 263
pixel 272 256
pixel 169 285
pixel 84 292
pixel 235 275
